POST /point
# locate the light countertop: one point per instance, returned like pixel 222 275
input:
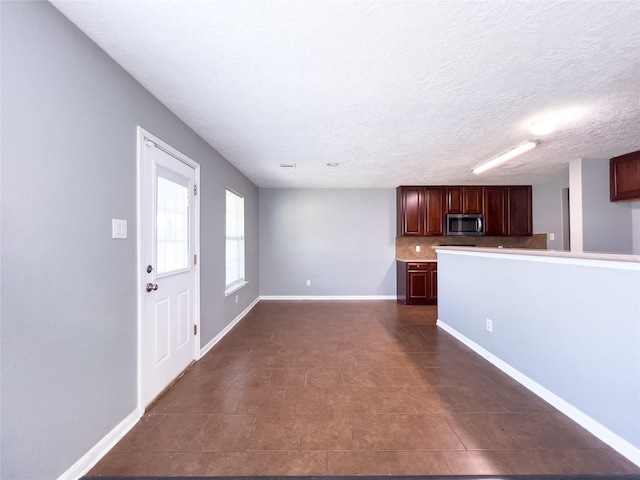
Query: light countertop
pixel 417 260
pixel 611 257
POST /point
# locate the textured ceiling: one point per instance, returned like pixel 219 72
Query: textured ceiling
pixel 397 92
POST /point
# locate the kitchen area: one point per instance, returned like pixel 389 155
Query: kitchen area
pixel 604 217
pixel 471 216
pixel 563 323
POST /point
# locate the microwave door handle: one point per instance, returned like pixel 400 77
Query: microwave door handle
pixel 478 225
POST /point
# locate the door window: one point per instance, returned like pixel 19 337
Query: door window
pixel 172 223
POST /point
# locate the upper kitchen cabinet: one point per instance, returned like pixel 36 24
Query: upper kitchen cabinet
pixel 464 200
pixel 624 177
pixel 420 211
pixel 434 219
pixel 508 211
pixel 411 214
pixel 496 211
pixel 520 211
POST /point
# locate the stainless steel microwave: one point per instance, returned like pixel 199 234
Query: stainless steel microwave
pixel 471 224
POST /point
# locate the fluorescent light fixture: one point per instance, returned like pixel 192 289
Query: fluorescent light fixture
pixel 506 156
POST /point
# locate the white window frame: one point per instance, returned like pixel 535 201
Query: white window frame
pixel 238 236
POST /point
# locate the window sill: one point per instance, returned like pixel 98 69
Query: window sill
pixel 234 288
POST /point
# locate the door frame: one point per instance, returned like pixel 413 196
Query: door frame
pixel 142 136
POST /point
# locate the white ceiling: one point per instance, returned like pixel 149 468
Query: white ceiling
pixel 397 92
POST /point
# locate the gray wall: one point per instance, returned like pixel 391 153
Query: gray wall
pixel 69 320
pixel 582 342
pixel 597 225
pixel 547 210
pixel 635 225
pixel 343 240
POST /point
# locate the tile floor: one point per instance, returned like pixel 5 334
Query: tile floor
pixel 351 388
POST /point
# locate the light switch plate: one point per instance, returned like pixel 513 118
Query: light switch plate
pixel 118 228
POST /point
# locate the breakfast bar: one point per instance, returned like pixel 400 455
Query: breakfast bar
pixel 565 325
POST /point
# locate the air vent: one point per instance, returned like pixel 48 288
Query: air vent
pixel 287 165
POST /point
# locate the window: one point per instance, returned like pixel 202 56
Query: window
pixel 172 223
pixel 234 250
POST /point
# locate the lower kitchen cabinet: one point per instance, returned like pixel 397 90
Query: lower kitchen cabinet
pixel 417 283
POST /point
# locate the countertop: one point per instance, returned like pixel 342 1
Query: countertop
pixel 421 260
pixel 611 257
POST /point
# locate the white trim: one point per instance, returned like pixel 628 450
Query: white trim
pixel 235 287
pixel 140 133
pixel 100 449
pixel 328 297
pixel 204 350
pixel 616 442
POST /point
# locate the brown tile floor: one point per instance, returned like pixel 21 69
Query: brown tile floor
pixel 351 388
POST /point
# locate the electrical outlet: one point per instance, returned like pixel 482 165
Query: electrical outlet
pixel 236 298
pixel 489 325
pixel 417 248
pixel 308 283
pixel 552 236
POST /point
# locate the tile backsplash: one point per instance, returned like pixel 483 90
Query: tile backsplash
pixel 406 246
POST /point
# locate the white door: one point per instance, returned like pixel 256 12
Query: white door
pixel 169 280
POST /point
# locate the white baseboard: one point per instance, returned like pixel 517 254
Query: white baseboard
pixel 100 449
pixel 204 350
pixel 616 442
pixel 328 297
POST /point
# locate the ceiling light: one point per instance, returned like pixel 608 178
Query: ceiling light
pixel 543 127
pixel 332 164
pixel 506 156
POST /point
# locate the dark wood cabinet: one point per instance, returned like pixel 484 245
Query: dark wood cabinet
pixel 495 211
pixel 418 289
pixel 464 200
pixel 434 213
pixel 472 200
pixel 417 283
pixel 420 211
pixel 454 200
pixel 433 284
pixel 507 209
pixel 624 177
pixel 411 211
pixel 520 211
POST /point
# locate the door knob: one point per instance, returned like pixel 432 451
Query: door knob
pixel 149 269
pixel 152 286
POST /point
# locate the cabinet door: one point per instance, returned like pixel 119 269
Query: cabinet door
pixel 454 200
pixel 433 274
pixel 624 177
pixel 418 289
pixel 411 211
pixel 520 213
pixel 495 210
pixel 472 201
pixel 434 213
